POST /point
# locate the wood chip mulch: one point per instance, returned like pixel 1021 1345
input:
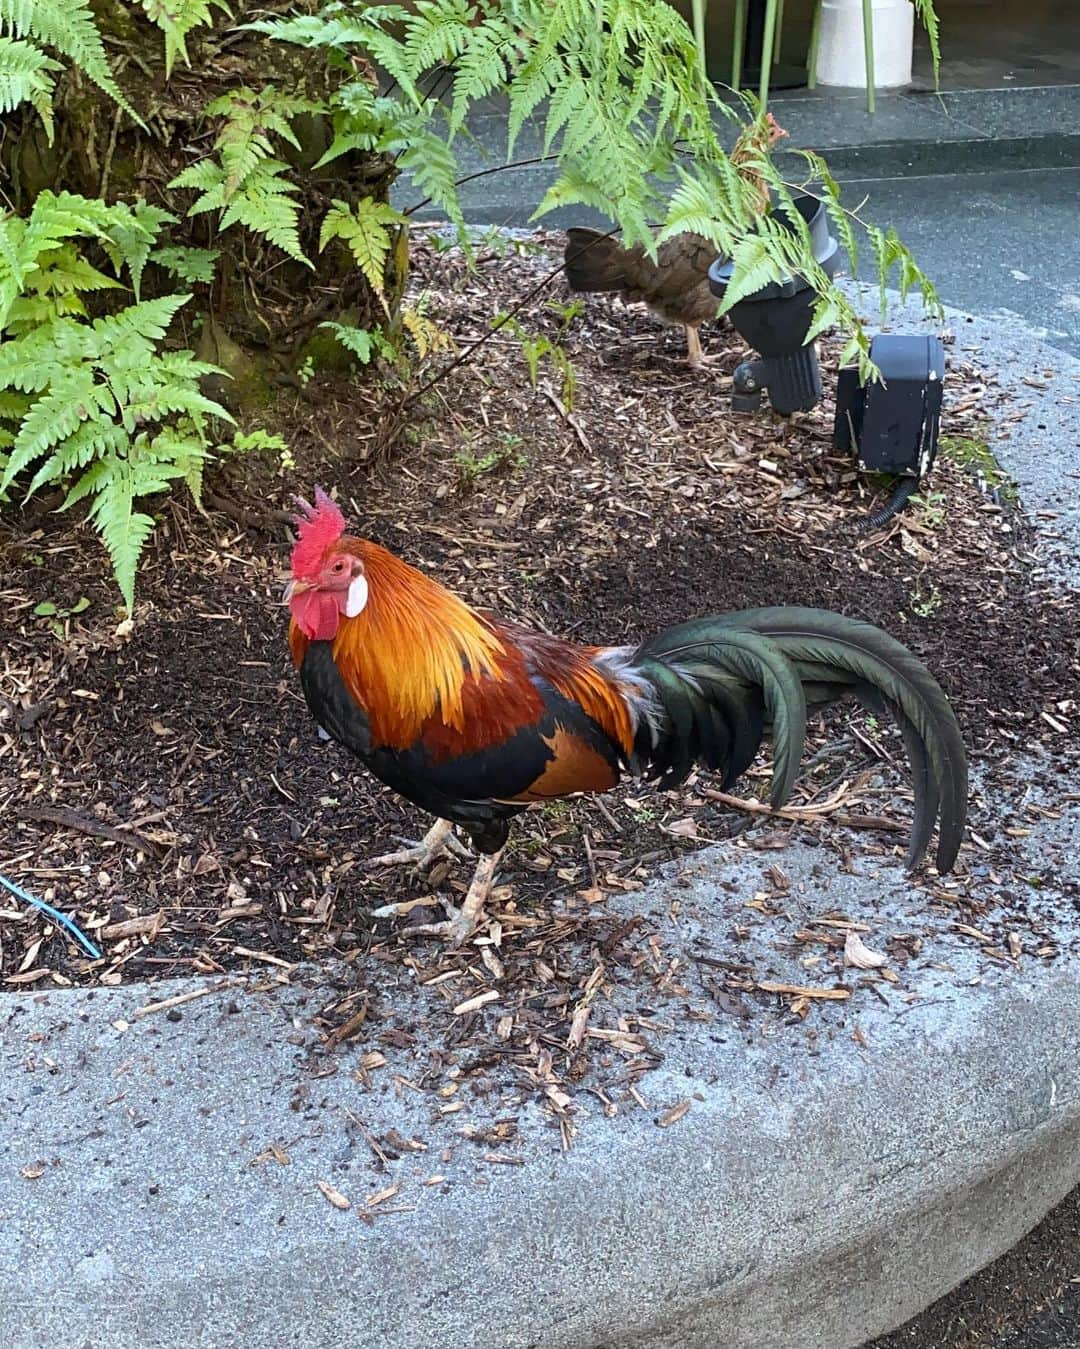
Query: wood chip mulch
pixel 165 784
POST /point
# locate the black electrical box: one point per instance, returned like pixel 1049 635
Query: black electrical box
pixel 892 423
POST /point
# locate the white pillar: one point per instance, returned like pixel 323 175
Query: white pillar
pixel 841 60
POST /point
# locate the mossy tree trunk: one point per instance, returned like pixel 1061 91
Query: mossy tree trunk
pixel 262 306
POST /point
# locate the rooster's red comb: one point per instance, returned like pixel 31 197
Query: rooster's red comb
pixel 317 527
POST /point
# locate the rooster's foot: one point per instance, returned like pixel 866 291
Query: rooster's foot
pixel 438 840
pixel 461 923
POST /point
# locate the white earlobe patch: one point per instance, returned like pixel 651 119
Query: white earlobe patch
pixel 357 596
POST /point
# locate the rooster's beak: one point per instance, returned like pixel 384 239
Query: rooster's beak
pixel 294 587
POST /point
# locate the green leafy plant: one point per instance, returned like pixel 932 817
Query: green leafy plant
pixel 95 404
pixel 56 614
pixel 926 603
pixel 537 348
pixel 507 455
pixel 567 314
pixel 259 441
pixel 929 20
pixel 363 343
pixel 366 230
pixel 245 183
pixel 189 265
pixel 176 18
pixel 31 28
pixel 932 508
pixel 626 115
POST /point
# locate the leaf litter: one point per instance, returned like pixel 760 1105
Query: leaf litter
pixel 166 785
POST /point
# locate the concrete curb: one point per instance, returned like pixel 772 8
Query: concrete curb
pixel 819 1191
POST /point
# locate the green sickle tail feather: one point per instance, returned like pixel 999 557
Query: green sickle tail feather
pixel 724 682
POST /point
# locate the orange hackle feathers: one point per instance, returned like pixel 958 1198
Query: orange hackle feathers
pixel 317 527
pixel 414 653
pixel 426 668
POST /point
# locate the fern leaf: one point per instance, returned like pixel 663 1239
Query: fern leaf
pixel 755 267
pixel 94 439
pixel 208 178
pixel 363 343
pixel 365 231
pixel 189 265
pixel 123 530
pixel 264 204
pixel 68 27
pixel 133 232
pixel 434 170
pixel 142 324
pixel 482 68
pixel 26 76
pixel 176 18
pixel 929 20
pixel 13 406
pixel 51 419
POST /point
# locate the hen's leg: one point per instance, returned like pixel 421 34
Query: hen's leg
pixel 694 354
pixel 462 923
pixel 439 839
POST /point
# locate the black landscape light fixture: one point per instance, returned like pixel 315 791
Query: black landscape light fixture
pixel 892 423
pixel 775 321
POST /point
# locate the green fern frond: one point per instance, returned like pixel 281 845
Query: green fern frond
pixel 51 419
pixel 434 169
pixel 265 205
pixel 132 234
pixel 13 406
pixel 482 68
pixel 176 18
pixel 929 20
pixel 68 27
pixel 136 328
pixel 366 230
pixel 189 265
pixel 26 76
pixel 363 343
pixel 123 530
pixel 91 440
pixel 246 182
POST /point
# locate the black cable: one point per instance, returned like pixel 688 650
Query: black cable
pixel 902 493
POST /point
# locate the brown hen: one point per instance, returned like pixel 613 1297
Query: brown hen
pixel 676 285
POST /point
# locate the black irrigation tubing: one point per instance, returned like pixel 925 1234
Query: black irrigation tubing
pixel 501 322
pixel 483 173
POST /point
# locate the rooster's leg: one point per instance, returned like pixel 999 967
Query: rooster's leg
pixel 462 923
pixel 439 839
pixel 694 354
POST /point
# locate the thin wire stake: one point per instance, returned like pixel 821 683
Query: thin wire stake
pixel 55 914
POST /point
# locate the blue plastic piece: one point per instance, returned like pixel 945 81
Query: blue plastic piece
pixel 65 922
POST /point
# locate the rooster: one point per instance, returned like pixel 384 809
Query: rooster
pixel 474 719
pixel 674 284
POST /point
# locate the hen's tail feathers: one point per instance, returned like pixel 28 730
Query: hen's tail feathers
pixel 722 682
pixel 593 261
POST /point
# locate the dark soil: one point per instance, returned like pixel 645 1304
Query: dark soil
pixel 243 839
pixel 1029 1299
